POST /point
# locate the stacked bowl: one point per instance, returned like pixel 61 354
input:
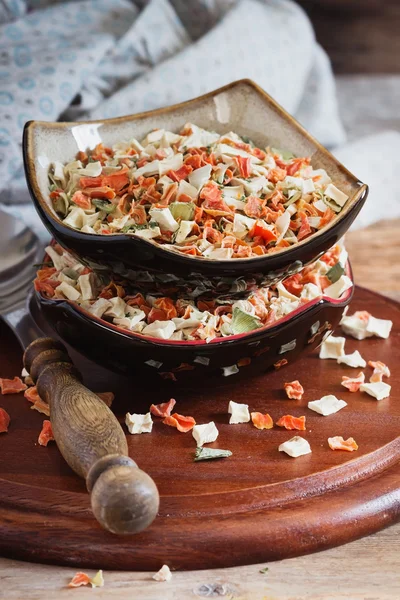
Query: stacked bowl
pixel 228 262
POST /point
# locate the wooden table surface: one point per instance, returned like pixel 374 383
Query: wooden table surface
pixel 367 569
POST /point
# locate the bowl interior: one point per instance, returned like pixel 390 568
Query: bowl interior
pixel 241 106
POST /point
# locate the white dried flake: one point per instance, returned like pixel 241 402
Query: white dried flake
pixel 295 447
pixel 139 423
pixel 164 574
pixel 339 287
pixel 355 327
pixel 378 390
pixel 68 291
pixel 99 307
pixel 354 360
pixel 336 195
pixel 287 347
pixel 24 373
pixel 239 413
pixel 327 405
pixel 332 347
pixel 379 327
pixel 205 434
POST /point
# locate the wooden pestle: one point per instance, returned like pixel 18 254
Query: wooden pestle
pixel 124 499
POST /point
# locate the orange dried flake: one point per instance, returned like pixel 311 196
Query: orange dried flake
pixel 294 390
pixel 338 443
pixel 290 422
pixel 12 386
pixel 164 409
pixel 380 370
pixel 4 420
pixel 261 421
pixel 42 407
pixel 79 579
pixel 107 397
pixel 183 424
pixel 353 383
pixel 31 394
pixel 46 435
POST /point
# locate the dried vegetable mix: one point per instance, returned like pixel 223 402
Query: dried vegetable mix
pixel 199 193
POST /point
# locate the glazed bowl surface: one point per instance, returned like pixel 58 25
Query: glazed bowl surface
pixel 240 106
pixel 241 356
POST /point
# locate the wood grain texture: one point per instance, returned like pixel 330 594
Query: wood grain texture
pixel 359 37
pixel 260 504
pixel 124 499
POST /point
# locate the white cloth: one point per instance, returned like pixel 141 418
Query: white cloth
pixel 103 58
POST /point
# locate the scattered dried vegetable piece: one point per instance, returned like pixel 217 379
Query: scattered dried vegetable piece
pixel 327 405
pixel 290 422
pixel 46 435
pixel 261 421
pixel 338 443
pixel 79 579
pixel 84 579
pixel 263 571
pixel 4 420
pixel 380 370
pixel 294 390
pixel 31 394
pixel 332 347
pixel 107 397
pixel 138 423
pixel 12 386
pixel 164 574
pixel 295 447
pixel 362 325
pixel 239 413
pixel 183 424
pixel 164 409
pixel 41 406
pixel 354 360
pixel 378 390
pixel 205 434
pixel 353 383
pixel 210 454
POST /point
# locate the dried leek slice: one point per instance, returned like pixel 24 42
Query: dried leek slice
pixel 182 210
pixel 210 453
pixel 243 322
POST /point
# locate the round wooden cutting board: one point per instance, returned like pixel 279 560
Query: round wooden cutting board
pixel 258 505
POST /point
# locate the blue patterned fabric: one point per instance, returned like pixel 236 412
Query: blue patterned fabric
pixel 103 58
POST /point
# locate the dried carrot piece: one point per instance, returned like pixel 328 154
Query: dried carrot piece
pixel 338 443
pixel 46 435
pixel 164 409
pixel 353 383
pixel 4 420
pixel 290 422
pixel 12 386
pixel 280 363
pixel 41 406
pixel 261 421
pixel 294 390
pixel 380 370
pixel 79 579
pixel 183 424
pixel 31 394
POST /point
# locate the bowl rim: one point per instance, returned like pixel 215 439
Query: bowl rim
pixel 191 261
pixel 300 311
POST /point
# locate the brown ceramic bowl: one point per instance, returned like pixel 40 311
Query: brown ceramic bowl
pixel 240 106
pixel 247 354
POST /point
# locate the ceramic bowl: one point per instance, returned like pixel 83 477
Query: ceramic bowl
pixel 238 356
pixel 240 106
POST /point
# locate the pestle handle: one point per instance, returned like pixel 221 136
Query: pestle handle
pixel 124 498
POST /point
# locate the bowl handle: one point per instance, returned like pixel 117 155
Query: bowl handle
pixel 124 499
